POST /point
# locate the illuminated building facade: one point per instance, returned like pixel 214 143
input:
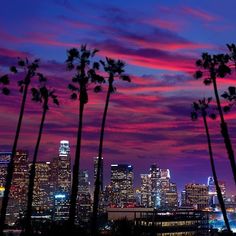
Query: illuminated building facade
pixel 122 184
pixel 197 196
pixel 42 201
pixel 84 197
pixel 4 161
pixel 157 190
pixel 61 181
pixel 146 200
pixel 64 168
pixel 18 191
pixel 155 186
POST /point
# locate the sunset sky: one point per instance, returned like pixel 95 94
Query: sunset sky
pixel 149 119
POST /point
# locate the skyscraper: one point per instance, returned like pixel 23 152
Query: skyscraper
pixel 84 197
pixel 18 191
pixel 197 195
pixel 42 202
pixel 61 180
pixel 4 161
pixel 155 186
pixel 146 200
pixel 64 168
pixel 122 184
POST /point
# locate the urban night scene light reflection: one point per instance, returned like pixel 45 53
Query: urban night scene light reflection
pixel 148 119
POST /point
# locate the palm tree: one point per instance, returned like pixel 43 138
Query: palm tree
pixel 200 109
pixel 80 61
pixel 114 69
pixel 216 66
pixel 230 97
pixel 30 71
pixel 4 80
pixel 41 95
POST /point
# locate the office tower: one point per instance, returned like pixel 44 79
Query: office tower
pixel 95 160
pixel 197 196
pixel 4 160
pixel 122 184
pixel 42 202
pixel 64 168
pixel 213 199
pixel 84 197
pixel 146 200
pixel 155 186
pixel 171 197
pixel 18 191
pixel 183 198
pixel 211 191
pixel 61 181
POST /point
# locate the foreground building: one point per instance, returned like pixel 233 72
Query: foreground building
pixel 163 223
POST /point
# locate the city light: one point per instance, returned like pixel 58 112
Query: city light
pixel 58 196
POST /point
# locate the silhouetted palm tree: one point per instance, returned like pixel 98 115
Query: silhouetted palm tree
pixel 30 71
pixel 41 95
pixel 200 109
pixel 216 66
pixel 4 80
pixel 80 60
pixel 114 69
pixel 230 97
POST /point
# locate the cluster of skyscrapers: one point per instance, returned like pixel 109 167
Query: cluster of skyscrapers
pixel 53 185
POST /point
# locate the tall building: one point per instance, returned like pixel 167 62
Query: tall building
pixel 155 186
pixel 42 201
pixel 157 190
pixel 122 184
pixel 95 161
pixel 84 197
pixel 61 181
pixel 146 199
pixel 64 168
pixel 197 196
pixel 4 161
pixel 19 186
pixel 213 199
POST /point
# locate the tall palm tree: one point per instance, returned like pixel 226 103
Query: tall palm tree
pixel 200 109
pixel 30 71
pixel 41 95
pixel 216 66
pixel 4 80
pixel 80 60
pixel 114 69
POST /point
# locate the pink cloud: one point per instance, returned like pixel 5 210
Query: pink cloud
pixel 203 15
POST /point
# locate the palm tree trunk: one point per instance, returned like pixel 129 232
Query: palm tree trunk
pixel 10 168
pixel 218 190
pixel 28 226
pixel 225 132
pixel 98 181
pixel 75 180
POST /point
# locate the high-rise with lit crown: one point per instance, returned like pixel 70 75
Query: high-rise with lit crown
pixel 61 178
pixel 122 184
pixel 64 167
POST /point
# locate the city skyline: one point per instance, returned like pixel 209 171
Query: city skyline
pixel 149 119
